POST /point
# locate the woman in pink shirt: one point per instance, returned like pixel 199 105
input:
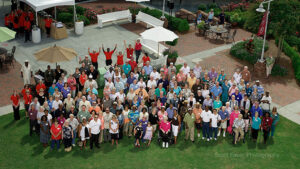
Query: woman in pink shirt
pixel 138 49
pixel 165 128
pixel 233 116
pixel 72 84
pixel 162 113
pixel 61 119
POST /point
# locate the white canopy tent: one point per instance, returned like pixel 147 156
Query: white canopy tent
pixel 39 5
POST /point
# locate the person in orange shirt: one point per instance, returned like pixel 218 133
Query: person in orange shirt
pixel 7 20
pixel 48 22
pixel 145 59
pixel 138 50
pixel 94 57
pixel 15 21
pixel 21 22
pixel 120 61
pixel 108 54
pixel 129 50
pixel 27 28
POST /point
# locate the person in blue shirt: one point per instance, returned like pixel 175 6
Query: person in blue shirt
pixel 216 91
pixel 134 85
pixel 126 68
pixel 60 84
pixel 256 125
pixel 217 104
pixel 170 111
pixel 275 120
pixel 224 117
pixel 51 89
pixel 148 68
pixel 248 90
pixel 221 77
pixel 260 88
pixel 256 108
pixel 225 90
pixel 130 79
pixel 238 96
pixel 133 116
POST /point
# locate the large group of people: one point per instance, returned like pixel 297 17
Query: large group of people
pixel 142 101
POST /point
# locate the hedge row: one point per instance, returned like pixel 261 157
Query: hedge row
pixel 240 51
pixel 295 57
pixel 178 24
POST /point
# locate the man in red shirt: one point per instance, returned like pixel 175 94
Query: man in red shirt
pixel 15 21
pixel 129 50
pixel 133 64
pixel 94 57
pixel 120 61
pixel 108 54
pixel 138 50
pixel 48 22
pixel 31 17
pixel 27 28
pixel 145 59
pixel 40 86
pixel 21 21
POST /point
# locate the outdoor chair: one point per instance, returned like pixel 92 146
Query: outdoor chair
pixel 207 31
pixel 231 36
pixel 12 52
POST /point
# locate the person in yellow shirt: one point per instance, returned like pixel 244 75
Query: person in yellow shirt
pixel 191 79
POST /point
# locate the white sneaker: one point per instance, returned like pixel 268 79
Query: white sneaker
pixel 73 145
pixel 198 134
pixel 224 134
pixel 208 139
pixel 216 139
pixel 219 133
pixel 203 138
pixel 163 144
pixel 167 145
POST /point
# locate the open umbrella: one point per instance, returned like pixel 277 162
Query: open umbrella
pixel 55 54
pixel 159 34
pixel 137 0
pixel 6 34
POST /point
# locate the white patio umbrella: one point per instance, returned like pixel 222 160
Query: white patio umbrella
pixel 159 34
pixel 137 0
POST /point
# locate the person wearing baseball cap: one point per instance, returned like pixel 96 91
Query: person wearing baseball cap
pixel 189 121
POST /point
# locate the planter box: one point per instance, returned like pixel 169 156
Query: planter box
pixel 79 28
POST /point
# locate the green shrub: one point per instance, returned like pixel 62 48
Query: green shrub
pixel 293 41
pixel 172 43
pixel 183 26
pixel 65 17
pixel 79 10
pixel 84 19
pixel 201 25
pixel 212 6
pixel 240 51
pixel 235 18
pixel 178 67
pixel 278 70
pixel 202 7
pixel 171 54
pixel 295 57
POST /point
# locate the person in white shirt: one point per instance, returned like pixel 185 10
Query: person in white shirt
pixel 49 116
pixel 141 83
pixel 197 70
pixel 26 72
pixel 114 129
pixel 107 116
pixel 266 102
pixel 185 69
pixel 151 83
pixel 56 103
pixel 84 102
pixel 237 76
pixel 110 83
pixel 74 123
pixel 206 119
pixel 215 118
pixel 40 114
pixel 155 74
pixel 94 130
pixel 109 74
pixel 144 113
pixel 89 82
pixel 121 96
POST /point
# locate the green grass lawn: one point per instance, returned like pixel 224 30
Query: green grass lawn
pixel 19 150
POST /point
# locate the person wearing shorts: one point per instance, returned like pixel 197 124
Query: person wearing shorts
pixel 138 132
pixel 114 129
pixel 224 118
pixel 176 121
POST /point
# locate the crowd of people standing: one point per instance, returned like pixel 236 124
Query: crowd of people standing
pixel 138 100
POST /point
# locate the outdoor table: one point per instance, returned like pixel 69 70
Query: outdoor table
pixel 58 33
pixel 218 30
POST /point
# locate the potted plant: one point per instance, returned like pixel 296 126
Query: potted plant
pixel 235 19
pixel 171 56
pixel 79 24
pixel 201 27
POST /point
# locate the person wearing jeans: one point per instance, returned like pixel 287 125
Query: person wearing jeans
pixel 138 50
pixel 32 120
pixel 74 123
pixel 206 119
pixel 56 132
pixel 215 118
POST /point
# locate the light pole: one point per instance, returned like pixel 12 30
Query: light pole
pixel 163 10
pixel 261 9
